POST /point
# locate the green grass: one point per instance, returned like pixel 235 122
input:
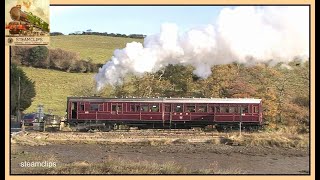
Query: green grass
pixel 98 48
pixel 53 88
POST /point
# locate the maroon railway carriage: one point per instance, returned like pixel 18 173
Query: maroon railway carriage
pixel 165 112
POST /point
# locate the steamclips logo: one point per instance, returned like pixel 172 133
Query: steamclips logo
pixel 44 164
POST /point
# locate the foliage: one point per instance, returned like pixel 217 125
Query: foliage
pixel 27 90
pixel 90 32
pixel 38 56
pixel 57 59
pixel 180 78
pixel 19 55
pixel 285 92
pixel 56 33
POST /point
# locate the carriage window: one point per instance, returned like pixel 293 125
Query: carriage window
pixel 81 107
pixel 132 108
pixel 167 108
pixel 119 108
pixel 211 108
pixel 202 109
pixel 233 109
pixel 101 107
pixel 190 108
pixel 116 107
pixel 218 109
pixel 144 108
pixel 74 106
pixel 244 109
pixel 255 109
pixel 155 108
pixel 178 108
pixel 224 109
pixel 94 107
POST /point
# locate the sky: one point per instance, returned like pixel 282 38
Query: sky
pixel 129 19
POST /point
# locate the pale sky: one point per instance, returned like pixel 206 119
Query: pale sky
pixel 129 19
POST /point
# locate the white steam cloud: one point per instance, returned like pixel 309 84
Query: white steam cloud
pixel 244 34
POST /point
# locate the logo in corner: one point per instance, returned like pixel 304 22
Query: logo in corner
pixel 10 40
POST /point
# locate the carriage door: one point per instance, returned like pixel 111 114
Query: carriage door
pixel 116 108
pixel 255 111
pixel 166 113
pixel 74 107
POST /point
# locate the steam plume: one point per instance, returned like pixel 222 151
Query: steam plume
pixel 244 34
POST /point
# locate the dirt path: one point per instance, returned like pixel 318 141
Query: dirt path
pixel 249 160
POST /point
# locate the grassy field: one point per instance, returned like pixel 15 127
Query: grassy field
pixel 163 138
pixel 53 88
pixel 98 48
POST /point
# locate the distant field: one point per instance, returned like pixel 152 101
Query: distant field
pixel 98 48
pixel 53 88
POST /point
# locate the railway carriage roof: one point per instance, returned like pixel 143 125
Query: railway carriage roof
pixel 166 100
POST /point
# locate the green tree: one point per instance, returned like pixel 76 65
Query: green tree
pixel 38 57
pixel 27 89
pixel 181 79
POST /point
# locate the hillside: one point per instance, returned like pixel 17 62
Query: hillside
pixel 53 87
pixel 98 48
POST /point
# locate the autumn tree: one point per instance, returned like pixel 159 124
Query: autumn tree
pixel 261 77
pixel 62 60
pixel 150 85
pixel 218 83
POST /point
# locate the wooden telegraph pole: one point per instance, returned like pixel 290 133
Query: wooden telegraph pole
pixel 19 113
pixel 240 123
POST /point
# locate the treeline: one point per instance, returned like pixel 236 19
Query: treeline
pixel 57 59
pixel 284 90
pixel 136 36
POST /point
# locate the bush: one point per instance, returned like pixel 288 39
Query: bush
pixel 62 60
pixel 19 55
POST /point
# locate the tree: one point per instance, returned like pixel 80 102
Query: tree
pixel 150 85
pixel 218 84
pixel 38 56
pixel 56 33
pixel 27 90
pixel 19 55
pixel 181 79
pixel 62 60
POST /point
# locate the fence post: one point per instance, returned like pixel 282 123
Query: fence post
pixel 240 127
